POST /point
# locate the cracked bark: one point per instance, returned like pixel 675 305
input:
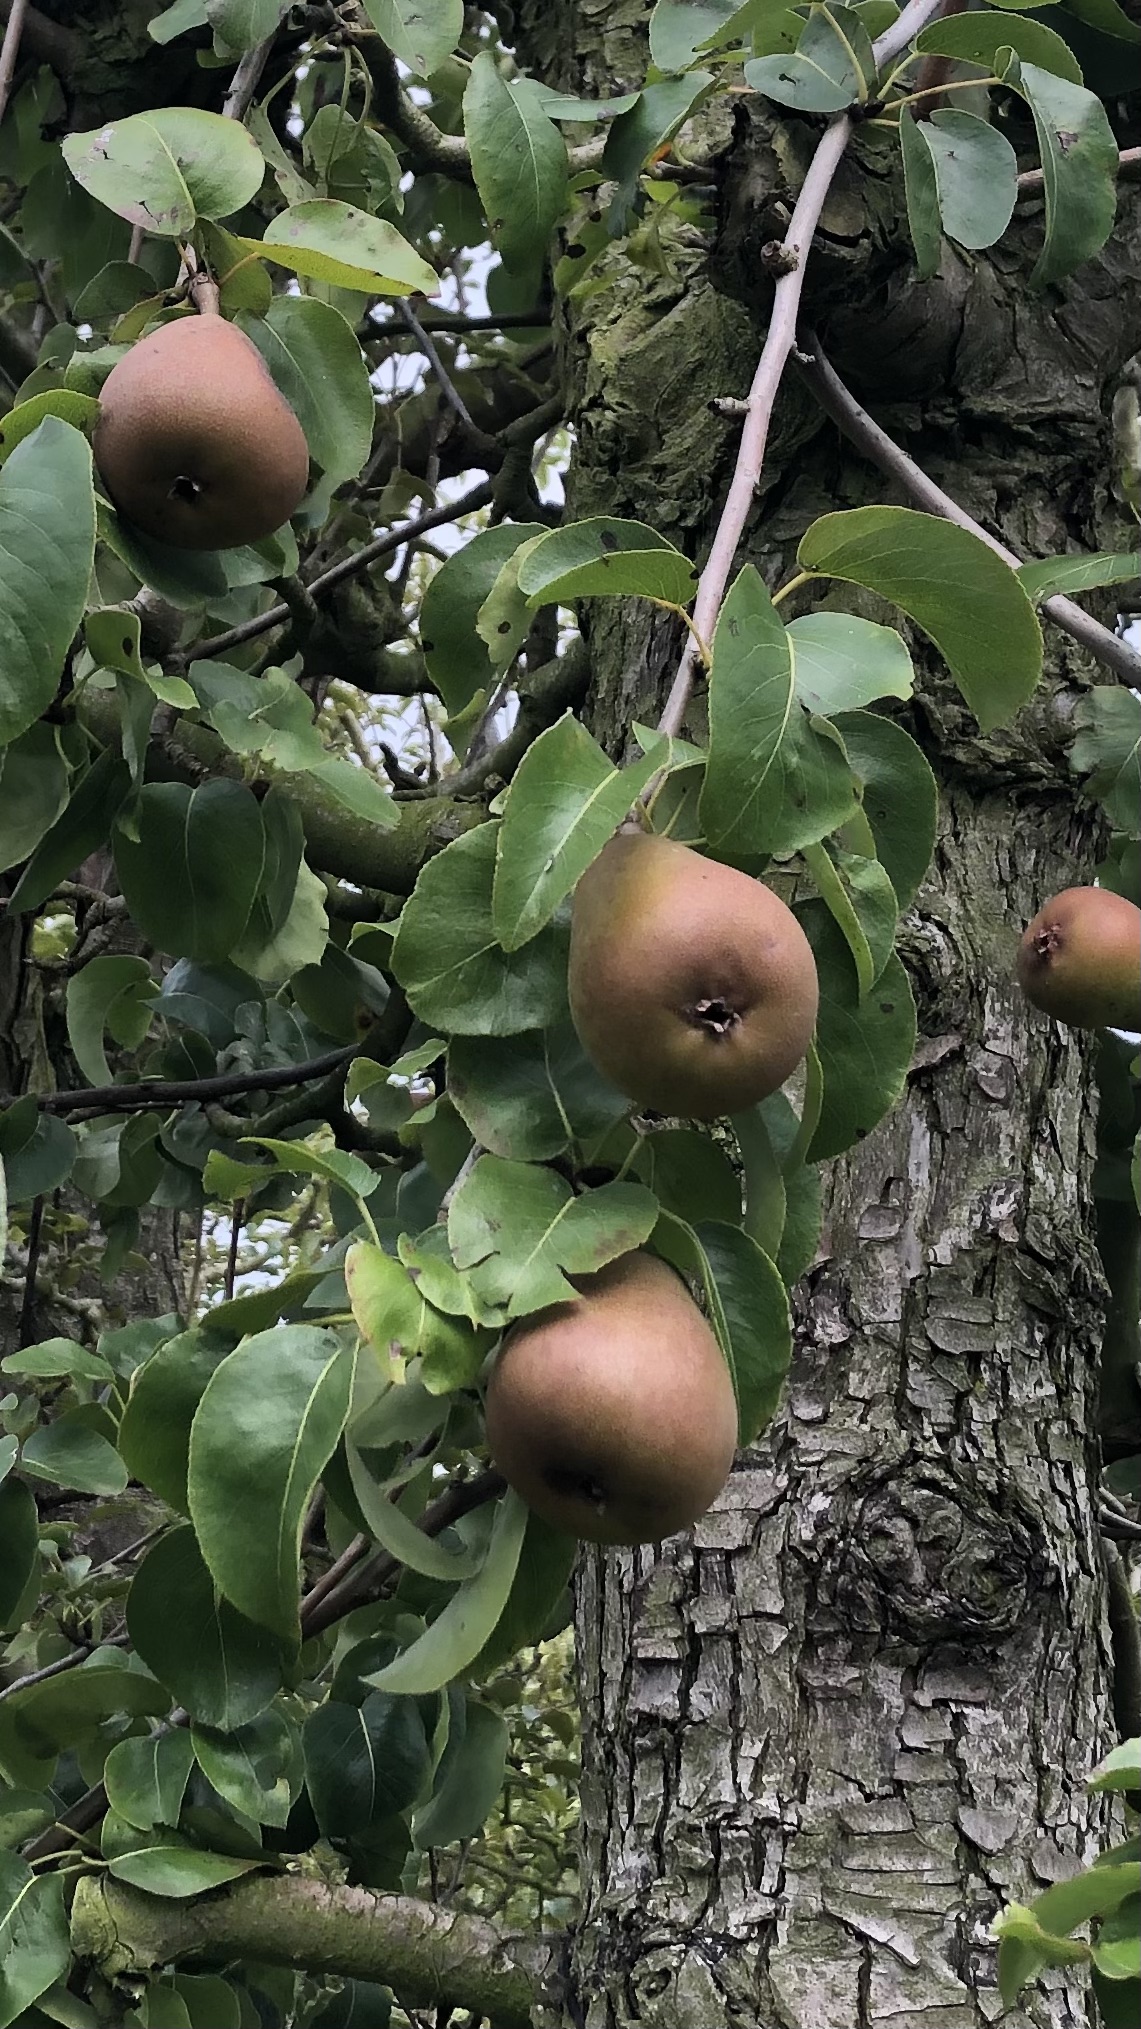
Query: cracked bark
pixel 829 1732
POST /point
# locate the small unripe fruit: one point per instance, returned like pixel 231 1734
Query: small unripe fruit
pixel 692 987
pixel 1080 960
pixel 195 444
pixel 614 1416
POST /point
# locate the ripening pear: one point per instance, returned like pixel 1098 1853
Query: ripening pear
pixel 1080 960
pixel 614 1416
pixel 194 442
pixel 692 987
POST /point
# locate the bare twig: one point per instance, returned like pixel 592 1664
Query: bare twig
pixel 448 387
pixel 47 39
pixel 779 343
pixel 244 82
pixel 1110 650
pixel 10 50
pixel 177 1091
pixel 369 1575
pixel 1031 181
pixel 26 1329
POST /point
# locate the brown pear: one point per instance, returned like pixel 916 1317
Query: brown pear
pixel 614 1415
pixel 692 987
pixel 1080 960
pixel 194 442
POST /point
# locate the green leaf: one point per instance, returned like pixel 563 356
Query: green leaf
pixel 451 1644
pixel 336 1165
pixel 47 546
pixel 81 828
pixel 397 1533
pixel 114 636
pixel 591 559
pixel 1095 1892
pixel 976 176
pixel 449 961
pixel 34 1950
pixel 991 640
pixel 747 1305
pixel 565 801
pixel 531 1096
pixel 1119 1769
pixel 364 1762
pixel 396 1318
pixel 977 38
pixel 172 1867
pixel 900 800
pixel 518 159
pixel 1079 169
pixel 191 875
pixel 775 779
pixel 264 1430
pixel 154 1434
pixel 679 28
pixel 313 355
pixel 43 1159
pixel 922 195
pixel 242 24
pixel 33 791
pixel 217 1664
pixel 765 1196
pixel 1108 752
pixel 165 169
pixel 256 1767
pixel 468 1779
pixel 832 66
pixel 859 895
pixel 1107 16
pixel 539 1586
pixel 865 1046
pixel 454 652
pixel 69 1453
pixel 81 411
pixel 146 1778
pixel 37 1723
pixel 1047 575
pixel 20 1535
pixel 515 1228
pixel 333 242
pixel 1117 1946
pixel 841 662
pixel 419 36
pixel 654 118
pixel 113 992
pixel 689 1174
pixel 1024 1950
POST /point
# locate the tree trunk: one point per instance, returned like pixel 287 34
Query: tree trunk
pixel 827 1734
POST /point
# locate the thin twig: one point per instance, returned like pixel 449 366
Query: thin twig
pixel 479 496
pixel 26 1329
pixel 1109 649
pixel 10 50
pixel 778 344
pixel 1031 181
pixel 237 1210
pixel 56 1669
pixel 177 1091
pixel 364 1582
pixel 448 387
pixel 244 82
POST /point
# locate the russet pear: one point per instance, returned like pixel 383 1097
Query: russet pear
pixel 1080 960
pixel 195 443
pixel 614 1416
pixel 692 987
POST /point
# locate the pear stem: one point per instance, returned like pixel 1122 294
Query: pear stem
pixel 205 294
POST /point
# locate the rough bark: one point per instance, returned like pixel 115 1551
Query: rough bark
pixel 825 1736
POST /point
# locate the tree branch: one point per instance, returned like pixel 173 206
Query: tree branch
pixel 57 46
pixel 10 50
pixel 1110 650
pixel 177 1091
pixel 337 841
pixel 246 79
pixel 1031 180
pixel 366 1576
pixel 788 263
pixel 430 1956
